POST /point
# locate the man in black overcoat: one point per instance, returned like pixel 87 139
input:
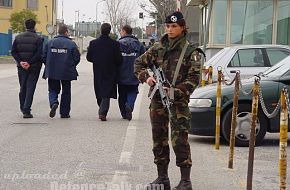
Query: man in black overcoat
pixel 105 55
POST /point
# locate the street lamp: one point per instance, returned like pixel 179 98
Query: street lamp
pixel 77 20
pixel 97 10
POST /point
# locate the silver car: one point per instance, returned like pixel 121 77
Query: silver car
pixel 248 59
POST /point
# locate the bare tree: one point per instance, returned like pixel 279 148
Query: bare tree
pixel 119 13
pixel 163 7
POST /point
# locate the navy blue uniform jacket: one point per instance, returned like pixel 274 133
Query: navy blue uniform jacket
pixel 61 56
pixel 131 48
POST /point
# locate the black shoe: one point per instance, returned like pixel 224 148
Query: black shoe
pixel 102 118
pixel 27 115
pixel 53 110
pixel 65 116
pixel 128 112
pixel 185 183
pixel 159 183
pixel 162 181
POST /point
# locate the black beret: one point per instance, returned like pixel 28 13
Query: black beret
pixel 174 17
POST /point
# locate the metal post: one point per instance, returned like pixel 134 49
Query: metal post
pixel 78 31
pixel 206 33
pixel 283 140
pixel 255 103
pixel 210 70
pixel 234 120
pixel 142 28
pixel 97 11
pixel 218 110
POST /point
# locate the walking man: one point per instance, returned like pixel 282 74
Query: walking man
pixel 105 55
pixel 61 57
pixel 27 50
pixel 128 83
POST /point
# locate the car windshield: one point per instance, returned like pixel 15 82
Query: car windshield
pixel 278 69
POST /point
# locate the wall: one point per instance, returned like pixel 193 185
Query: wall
pixel 40 12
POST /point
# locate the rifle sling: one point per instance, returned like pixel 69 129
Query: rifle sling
pixel 171 90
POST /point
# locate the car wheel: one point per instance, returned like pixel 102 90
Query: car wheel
pixel 243 129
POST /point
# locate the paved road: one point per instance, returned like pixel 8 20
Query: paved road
pixel 49 154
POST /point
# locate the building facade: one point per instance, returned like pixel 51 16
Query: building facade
pixel 87 28
pixel 44 9
pixel 234 22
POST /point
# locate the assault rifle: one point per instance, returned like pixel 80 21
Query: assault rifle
pixel 161 82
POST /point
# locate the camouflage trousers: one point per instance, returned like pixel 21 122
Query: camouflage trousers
pixel 179 132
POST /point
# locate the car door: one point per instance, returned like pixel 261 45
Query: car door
pixel 248 61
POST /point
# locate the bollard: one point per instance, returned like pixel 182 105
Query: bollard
pixel 234 119
pixel 255 103
pixel 210 71
pixel 283 141
pixel 218 110
pixel 203 76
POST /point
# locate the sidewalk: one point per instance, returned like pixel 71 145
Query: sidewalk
pixel 7 60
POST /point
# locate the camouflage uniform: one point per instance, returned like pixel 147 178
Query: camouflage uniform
pixel 166 56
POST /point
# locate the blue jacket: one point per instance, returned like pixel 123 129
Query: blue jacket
pixel 61 56
pixel 131 49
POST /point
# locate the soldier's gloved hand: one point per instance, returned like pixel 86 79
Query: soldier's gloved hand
pixel 151 81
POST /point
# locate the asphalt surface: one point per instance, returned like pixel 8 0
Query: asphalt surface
pixel 51 153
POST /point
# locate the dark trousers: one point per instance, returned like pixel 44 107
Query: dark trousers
pixel 104 105
pixel 127 97
pixel 54 87
pixel 27 80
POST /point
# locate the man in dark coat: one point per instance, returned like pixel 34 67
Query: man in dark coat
pixel 27 50
pixel 128 83
pixel 105 55
pixel 61 57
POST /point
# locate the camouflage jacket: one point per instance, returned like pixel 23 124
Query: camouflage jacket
pixel 167 58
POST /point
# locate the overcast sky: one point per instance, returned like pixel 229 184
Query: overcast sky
pixel 88 11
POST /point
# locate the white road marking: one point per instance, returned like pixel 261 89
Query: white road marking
pixel 121 177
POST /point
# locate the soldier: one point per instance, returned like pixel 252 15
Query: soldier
pixel 166 55
pixel 26 50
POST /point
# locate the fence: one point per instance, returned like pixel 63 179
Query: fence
pixel 5 43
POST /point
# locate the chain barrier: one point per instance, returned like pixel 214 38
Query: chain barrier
pixel 287 100
pixel 243 91
pixel 225 82
pixel 262 102
pixel 275 111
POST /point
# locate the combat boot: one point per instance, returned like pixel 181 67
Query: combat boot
pixel 162 179
pixel 185 183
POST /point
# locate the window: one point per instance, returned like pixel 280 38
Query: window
pixel 6 3
pixel 220 22
pixel 248 58
pixel 252 22
pixel 283 23
pixel 32 4
pixel 276 55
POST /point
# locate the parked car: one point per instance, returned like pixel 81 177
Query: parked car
pixel 203 102
pixel 248 59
